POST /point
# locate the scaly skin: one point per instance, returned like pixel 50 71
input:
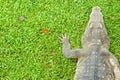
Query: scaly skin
pixel 95 62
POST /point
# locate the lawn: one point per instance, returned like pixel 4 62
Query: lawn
pixel 30 48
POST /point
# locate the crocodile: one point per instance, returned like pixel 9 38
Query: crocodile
pixel 95 61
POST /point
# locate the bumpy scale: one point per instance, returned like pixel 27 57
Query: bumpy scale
pixel 95 62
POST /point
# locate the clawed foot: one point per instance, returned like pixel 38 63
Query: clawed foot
pixel 64 38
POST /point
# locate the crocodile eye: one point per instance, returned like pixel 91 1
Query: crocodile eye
pixel 100 26
pixel 91 25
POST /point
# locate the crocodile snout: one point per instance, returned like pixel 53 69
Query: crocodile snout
pixel 96 15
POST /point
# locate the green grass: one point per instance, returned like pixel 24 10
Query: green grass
pixel 27 53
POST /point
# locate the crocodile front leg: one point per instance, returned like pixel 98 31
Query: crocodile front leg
pixel 67 52
pixel 115 65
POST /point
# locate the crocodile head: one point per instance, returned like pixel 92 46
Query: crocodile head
pixel 95 33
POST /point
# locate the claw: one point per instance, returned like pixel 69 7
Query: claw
pixel 64 37
pixel 60 38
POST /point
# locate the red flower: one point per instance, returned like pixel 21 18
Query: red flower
pixel 45 30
